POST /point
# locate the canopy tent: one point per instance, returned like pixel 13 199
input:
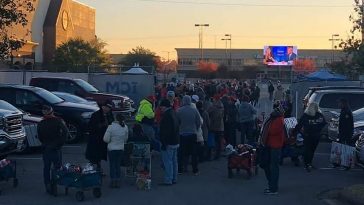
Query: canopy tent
pixel 324 75
pixel 136 70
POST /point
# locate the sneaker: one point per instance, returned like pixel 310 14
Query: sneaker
pixel 196 173
pixel 269 192
pixel 344 168
pixel 307 168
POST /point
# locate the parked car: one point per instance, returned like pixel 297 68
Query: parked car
pixel 31 99
pixel 74 99
pixel 12 133
pixel 328 101
pixel 358 116
pixel 85 90
pixel 30 125
pixel 359 150
pixel 311 90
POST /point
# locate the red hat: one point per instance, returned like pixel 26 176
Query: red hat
pixel 151 98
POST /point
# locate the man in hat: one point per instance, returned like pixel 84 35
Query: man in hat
pixel 145 116
pixel 169 135
pixel 52 133
pixel 96 149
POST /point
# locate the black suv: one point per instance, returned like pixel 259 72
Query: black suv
pixel 31 99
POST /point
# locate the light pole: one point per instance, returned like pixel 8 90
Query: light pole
pixel 167 54
pixel 230 36
pixel 200 38
pixel 333 39
pixel 226 40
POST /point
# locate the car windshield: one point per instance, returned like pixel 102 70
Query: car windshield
pixel 87 86
pixel 49 97
pixel 6 106
pixel 71 98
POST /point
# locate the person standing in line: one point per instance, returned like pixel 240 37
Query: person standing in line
pixel 52 133
pixel 116 136
pixel 96 149
pixel 256 94
pixel 246 113
pixel 145 116
pixel 231 121
pixel 189 121
pixel 272 141
pixel 169 134
pixel 346 122
pixel 216 114
pixel 270 90
pixel 312 122
pixel 205 131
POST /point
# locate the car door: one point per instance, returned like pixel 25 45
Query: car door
pixel 28 101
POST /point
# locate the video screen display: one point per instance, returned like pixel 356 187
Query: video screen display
pixel 280 55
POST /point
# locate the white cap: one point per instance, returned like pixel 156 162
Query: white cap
pixel 195 98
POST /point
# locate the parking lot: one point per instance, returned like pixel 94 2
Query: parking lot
pixel 211 187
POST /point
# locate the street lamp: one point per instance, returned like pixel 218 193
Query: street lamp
pixel 167 54
pixel 200 38
pixel 230 36
pixel 226 40
pixel 333 39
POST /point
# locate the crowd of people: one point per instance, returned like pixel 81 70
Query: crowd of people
pixel 190 123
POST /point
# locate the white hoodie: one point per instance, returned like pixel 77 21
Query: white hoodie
pixel 116 136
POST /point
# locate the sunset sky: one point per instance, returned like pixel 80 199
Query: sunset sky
pixel 162 25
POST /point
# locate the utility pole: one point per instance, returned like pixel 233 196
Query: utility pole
pixel 226 55
pixel 332 39
pixel 230 36
pixel 200 38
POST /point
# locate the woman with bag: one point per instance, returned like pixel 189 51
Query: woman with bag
pixel 116 136
pixel 312 122
pixel 271 143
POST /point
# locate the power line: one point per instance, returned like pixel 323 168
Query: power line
pixel 250 5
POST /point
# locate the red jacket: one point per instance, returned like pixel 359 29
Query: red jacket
pixel 276 133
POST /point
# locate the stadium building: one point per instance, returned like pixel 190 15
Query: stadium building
pixel 52 23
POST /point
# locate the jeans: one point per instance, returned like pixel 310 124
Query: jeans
pixel 247 129
pixel 272 169
pixel 218 138
pixel 310 145
pixel 230 133
pixel 51 157
pixel 188 147
pixel 169 157
pixel 115 157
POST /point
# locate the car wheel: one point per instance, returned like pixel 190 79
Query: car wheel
pixel 74 133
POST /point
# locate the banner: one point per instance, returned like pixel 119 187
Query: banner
pixel 342 155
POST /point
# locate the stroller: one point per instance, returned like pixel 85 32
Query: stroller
pixel 294 149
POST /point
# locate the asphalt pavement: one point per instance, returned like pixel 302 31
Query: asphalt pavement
pixel 212 186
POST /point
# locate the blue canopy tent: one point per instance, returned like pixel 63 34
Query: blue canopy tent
pixel 324 75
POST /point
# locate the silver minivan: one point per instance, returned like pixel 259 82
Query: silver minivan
pixel 328 101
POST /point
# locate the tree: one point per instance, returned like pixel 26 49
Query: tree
pixel 77 55
pixel 353 62
pixel 141 55
pixel 12 13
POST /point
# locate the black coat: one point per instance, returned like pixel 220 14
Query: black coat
pixel 346 125
pixel 52 133
pixel 96 147
pixel 169 128
pixel 312 125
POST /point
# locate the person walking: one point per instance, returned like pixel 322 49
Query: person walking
pixel 189 121
pixel 279 94
pixel 246 113
pixel 272 141
pixel 116 136
pixel 216 114
pixel 96 149
pixel 169 134
pixel 270 90
pixel 312 122
pixel 52 133
pixel 256 95
pixel 346 122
